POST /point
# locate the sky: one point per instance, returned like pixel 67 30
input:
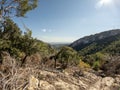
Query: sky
pixel 64 21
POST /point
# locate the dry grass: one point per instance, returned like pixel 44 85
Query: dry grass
pixel 13 77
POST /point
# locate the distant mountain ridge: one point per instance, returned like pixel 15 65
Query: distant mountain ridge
pixel 99 41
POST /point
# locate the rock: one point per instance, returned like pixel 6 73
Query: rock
pixel 33 83
pixel 104 84
pixel 44 85
pixel 107 81
pixel 61 85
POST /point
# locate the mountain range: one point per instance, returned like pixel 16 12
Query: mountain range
pixel 104 41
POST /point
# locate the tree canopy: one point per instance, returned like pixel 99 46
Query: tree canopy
pixel 17 8
pixel 68 56
pixel 19 44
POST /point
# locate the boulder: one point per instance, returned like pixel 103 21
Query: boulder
pixel 33 83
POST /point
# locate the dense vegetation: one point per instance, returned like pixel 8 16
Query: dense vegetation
pixel 20 45
pixel 94 43
pixel 67 56
pixel 97 49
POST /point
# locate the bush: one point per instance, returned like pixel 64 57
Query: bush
pixel 67 56
pixel 96 60
pixel 84 66
pixel 20 45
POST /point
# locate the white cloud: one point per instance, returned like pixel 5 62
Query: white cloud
pixel 44 30
pixel 110 6
pixel 102 3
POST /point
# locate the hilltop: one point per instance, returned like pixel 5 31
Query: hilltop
pixel 98 42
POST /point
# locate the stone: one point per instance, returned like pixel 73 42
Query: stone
pixel 44 85
pixel 33 83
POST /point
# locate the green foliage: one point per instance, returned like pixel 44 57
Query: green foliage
pixel 11 31
pixel 97 43
pixel 21 45
pixel 27 44
pixel 4 44
pixel 17 53
pixel 113 48
pixel 68 56
pixel 89 49
pixel 18 8
pixel 25 6
pixel 12 39
pixel 96 65
pixel 44 48
pixel 98 52
pixel 95 60
pixel 84 66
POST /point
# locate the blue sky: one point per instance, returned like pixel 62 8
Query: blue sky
pixel 69 20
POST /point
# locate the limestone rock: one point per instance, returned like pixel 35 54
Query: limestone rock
pixel 61 85
pixel 44 85
pixel 33 83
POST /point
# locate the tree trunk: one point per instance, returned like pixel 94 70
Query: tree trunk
pixel 23 60
pixel 1 59
pixel 55 64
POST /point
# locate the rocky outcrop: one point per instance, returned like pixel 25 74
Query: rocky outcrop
pixel 61 81
pixel 44 85
pixel 33 83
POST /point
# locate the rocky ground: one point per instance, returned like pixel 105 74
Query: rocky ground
pixel 36 79
pixel 65 81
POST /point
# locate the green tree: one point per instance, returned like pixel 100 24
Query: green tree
pixel 17 8
pixel 96 60
pixel 67 56
pixel 11 30
pixel 13 41
pixel 28 45
pixel 11 34
pixel 11 38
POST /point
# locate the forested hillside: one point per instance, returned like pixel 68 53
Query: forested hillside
pixel 96 50
pixel 94 43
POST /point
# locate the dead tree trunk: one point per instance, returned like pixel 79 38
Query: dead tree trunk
pixel 23 60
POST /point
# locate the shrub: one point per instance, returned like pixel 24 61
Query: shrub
pixel 68 56
pixel 84 66
pixel 96 60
